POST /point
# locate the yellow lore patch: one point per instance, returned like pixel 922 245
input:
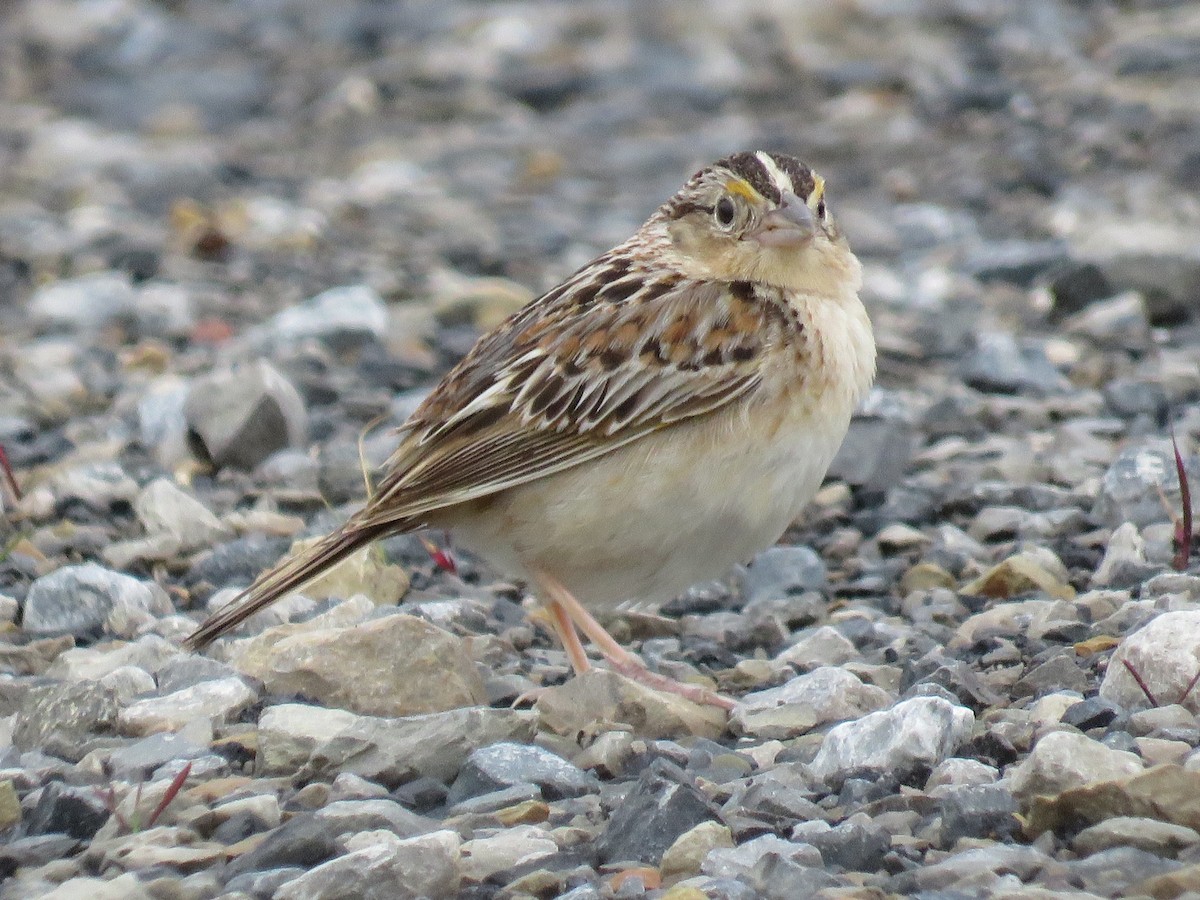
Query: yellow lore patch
pixel 743 189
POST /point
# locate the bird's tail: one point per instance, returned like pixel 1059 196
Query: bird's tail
pixel 287 576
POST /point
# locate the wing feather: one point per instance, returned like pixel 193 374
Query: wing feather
pixel 573 377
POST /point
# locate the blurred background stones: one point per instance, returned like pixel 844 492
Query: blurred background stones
pixel 240 241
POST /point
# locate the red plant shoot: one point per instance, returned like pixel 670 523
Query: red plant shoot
pixel 9 478
pixel 1183 525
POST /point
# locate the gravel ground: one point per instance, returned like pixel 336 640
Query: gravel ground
pixel 239 240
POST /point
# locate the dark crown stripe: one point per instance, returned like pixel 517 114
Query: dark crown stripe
pixel 749 167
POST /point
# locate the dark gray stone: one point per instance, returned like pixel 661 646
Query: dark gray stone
pixel 782 572
pixel 1016 262
pixel 237 562
pixel 303 841
pixel 136 761
pixel 875 453
pixel 1059 673
pixel 64 809
pixel 1003 365
pixel 979 811
pixel 1074 285
pixel 1094 712
pixel 662 805
pixel 854 847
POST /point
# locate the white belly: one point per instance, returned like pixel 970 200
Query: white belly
pixel 665 512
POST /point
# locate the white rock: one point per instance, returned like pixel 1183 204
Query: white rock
pixel 162 506
pixel 824 695
pixel 217 701
pixel 915 733
pixel 1166 654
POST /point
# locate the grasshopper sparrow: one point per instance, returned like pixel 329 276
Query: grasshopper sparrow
pixel 663 413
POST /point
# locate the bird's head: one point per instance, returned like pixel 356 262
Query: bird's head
pixel 758 217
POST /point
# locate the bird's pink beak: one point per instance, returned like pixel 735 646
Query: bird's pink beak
pixel 790 225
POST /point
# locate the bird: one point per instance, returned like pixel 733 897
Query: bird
pixel 664 413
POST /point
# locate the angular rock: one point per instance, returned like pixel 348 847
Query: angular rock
pixel 875 452
pixel 240 417
pixel 978 811
pixel 856 845
pixel 364 572
pixel 1001 364
pixel 820 646
pixel 1124 564
pixel 741 860
pixel 1151 835
pixel 684 858
pixel 804 703
pixel 162 507
pixel 82 600
pixel 352 816
pixel 663 804
pixel 1019 574
pixel 913 735
pixel 397 665
pixel 75 811
pixel 137 761
pixel 300 841
pixel 507 764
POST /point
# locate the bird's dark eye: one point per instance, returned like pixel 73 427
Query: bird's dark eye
pixel 724 212
pixel 821 209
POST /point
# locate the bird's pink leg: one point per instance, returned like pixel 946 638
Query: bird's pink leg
pixel 563 604
pixel 565 629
